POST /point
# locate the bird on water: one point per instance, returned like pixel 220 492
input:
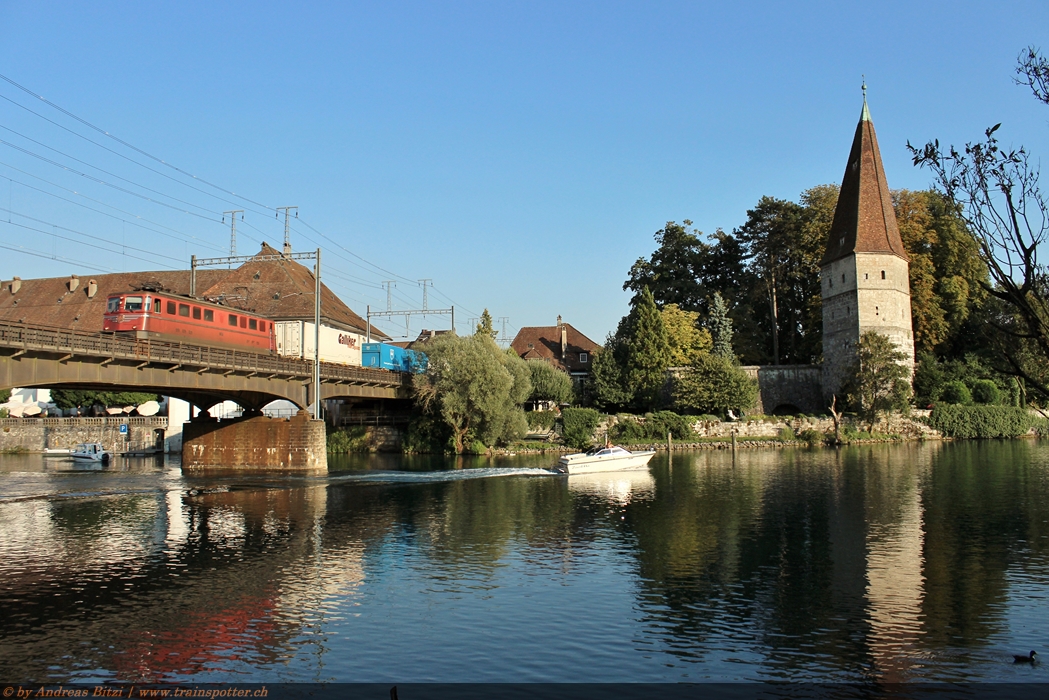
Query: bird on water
pixel 1020 659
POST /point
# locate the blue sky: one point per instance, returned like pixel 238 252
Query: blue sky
pixel 519 154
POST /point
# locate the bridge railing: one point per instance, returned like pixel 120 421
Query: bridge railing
pixel 27 337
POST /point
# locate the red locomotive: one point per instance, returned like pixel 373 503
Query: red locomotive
pixel 167 316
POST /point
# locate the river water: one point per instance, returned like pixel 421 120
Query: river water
pixel 886 563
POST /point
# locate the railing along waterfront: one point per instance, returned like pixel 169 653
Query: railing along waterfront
pixel 30 338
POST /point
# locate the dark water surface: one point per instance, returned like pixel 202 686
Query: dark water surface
pixel 884 563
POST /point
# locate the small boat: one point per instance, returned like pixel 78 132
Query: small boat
pixel 609 458
pixel 57 452
pixel 91 451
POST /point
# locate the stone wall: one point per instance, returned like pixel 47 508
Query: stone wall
pixel 768 428
pixel 794 388
pixel 39 434
pixel 257 442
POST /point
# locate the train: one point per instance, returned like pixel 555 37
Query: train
pixel 393 358
pixel 162 315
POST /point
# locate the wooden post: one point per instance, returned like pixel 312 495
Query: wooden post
pixel 670 442
pixel 733 440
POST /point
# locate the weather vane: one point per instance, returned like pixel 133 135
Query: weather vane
pixel 863 86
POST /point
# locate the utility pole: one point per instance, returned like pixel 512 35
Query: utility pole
pixel 425 283
pixel 503 338
pixel 287 228
pixel 232 230
pixel 388 285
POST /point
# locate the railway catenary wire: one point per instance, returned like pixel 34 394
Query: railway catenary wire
pixel 180 171
pixel 184 237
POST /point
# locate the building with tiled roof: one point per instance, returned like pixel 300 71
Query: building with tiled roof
pixel 79 301
pixel 562 345
pixel 279 290
pixel 283 290
pixel 865 282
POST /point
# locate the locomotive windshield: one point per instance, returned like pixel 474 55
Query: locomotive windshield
pixel 132 303
pixel 113 305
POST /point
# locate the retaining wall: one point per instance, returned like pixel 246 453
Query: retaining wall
pixel 39 434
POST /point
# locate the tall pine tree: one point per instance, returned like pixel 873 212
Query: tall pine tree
pixel 648 354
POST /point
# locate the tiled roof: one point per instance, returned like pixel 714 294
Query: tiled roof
pixel 283 290
pixel 48 302
pixel 544 342
pixel 864 220
pixel 280 290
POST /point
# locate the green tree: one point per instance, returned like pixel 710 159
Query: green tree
pixel 71 398
pixel 608 387
pixel 687 340
pixel 647 352
pixel 720 325
pixel 674 272
pixel 785 255
pixel 484 326
pixel 549 383
pixel 475 389
pixel 714 384
pixel 879 381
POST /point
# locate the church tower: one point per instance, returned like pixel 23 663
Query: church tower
pixel 864 273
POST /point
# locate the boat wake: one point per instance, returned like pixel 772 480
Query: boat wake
pixel 398 477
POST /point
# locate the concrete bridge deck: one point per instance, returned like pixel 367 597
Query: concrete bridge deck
pixel 39 356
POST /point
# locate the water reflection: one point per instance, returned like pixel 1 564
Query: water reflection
pixel 875 563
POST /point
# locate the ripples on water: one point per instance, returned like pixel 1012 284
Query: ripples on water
pixel 873 564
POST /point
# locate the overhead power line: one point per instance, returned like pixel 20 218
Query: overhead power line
pixel 125 143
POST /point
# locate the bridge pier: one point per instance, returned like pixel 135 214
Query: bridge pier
pixel 255 443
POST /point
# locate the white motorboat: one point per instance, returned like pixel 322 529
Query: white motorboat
pixel 91 451
pixel 603 459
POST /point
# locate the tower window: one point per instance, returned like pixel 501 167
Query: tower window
pixel 866 276
pixel 843 278
pixel 883 274
pixel 875 310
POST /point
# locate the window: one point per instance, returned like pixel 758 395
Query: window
pixel 171 308
pixel 883 274
pixel 243 322
pixel 132 303
pixel 156 306
pixel 843 279
pixel 209 315
pixel 866 276
pixel 196 312
pixel 183 310
pixel 233 319
pixel 582 357
pixel 253 325
pixel 113 305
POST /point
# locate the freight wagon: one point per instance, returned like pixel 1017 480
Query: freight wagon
pixel 393 358
pixel 295 339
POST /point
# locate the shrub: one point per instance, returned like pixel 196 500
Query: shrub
pixel 655 426
pixel 980 421
pixel 813 437
pixel 984 391
pixel 344 440
pixel 786 433
pixel 427 435
pixel 578 426
pixel 956 393
pixel 541 420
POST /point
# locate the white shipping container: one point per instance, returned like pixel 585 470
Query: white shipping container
pixel 295 339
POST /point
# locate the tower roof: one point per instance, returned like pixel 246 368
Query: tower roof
pixel 864 220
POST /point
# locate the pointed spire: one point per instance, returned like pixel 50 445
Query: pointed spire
pixel 864 220
pixel 865 115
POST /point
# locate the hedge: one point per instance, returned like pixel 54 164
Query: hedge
pixel 980 421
